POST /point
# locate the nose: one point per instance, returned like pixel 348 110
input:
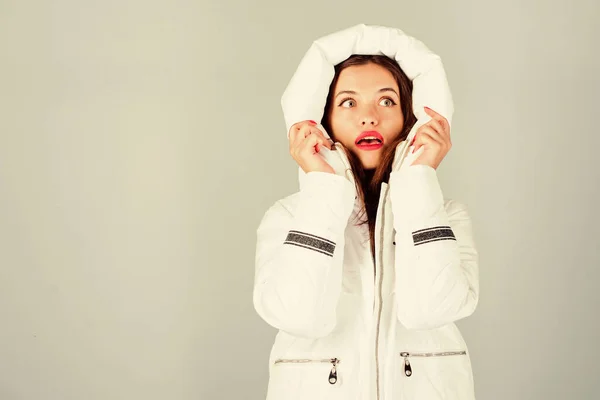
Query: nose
pixel 369 118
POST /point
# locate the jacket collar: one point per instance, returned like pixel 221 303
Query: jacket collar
pixel 338 159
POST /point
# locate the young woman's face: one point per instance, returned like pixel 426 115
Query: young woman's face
pixel 366 99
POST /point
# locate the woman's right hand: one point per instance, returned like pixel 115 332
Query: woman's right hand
pixel 305 141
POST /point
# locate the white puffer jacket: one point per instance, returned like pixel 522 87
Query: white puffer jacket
pixel 350 326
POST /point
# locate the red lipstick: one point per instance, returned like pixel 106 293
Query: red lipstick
pixel 374 142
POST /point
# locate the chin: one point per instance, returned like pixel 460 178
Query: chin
pixel 370 164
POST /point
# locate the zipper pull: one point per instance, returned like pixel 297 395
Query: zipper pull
pixel 407 368
pixel 333 374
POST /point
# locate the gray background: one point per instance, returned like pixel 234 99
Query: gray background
pixel 142 141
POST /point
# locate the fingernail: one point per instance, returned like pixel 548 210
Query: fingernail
pixel 312 122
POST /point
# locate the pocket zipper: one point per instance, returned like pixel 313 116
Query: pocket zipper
pixel 407 367
pixel 332 374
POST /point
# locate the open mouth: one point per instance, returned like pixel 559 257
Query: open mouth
pixel 369 145
pixel 368 141
pixel 369 138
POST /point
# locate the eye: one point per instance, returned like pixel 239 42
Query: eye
pixel 389 101
pixel 347 103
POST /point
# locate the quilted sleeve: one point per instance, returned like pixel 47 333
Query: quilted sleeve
pixel 299 256
pixel 437 271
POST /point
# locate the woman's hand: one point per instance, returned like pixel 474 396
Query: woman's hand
pixel 305 139
pixel 435 136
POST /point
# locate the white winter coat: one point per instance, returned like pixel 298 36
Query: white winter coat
pixel 352 327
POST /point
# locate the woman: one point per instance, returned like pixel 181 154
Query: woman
pixel 365 270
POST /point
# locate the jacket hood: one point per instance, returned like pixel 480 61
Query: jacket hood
pixel 306 94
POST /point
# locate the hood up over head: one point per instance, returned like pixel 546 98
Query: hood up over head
pixel 306 94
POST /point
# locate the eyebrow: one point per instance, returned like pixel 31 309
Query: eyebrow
pixel 387 89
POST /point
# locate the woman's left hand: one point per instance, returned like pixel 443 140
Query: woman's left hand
pixel 435 136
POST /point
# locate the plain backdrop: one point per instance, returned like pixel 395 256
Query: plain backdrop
pixel 141 142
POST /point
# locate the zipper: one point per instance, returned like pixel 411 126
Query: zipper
pixel 382 198
pixel 333 377
pixel 406 355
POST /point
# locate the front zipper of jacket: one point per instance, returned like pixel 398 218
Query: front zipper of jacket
pixel 408 369
pixel 333 377
pixel 383 197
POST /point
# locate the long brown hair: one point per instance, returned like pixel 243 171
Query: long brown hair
pixel 368 182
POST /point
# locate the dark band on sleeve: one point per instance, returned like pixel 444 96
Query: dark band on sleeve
pixel 311 242
pixel 433 235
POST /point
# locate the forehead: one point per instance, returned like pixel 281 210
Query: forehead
pixel 365 77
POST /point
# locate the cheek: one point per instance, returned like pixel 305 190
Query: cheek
pixel 342 128
pixel 394 116
pixel 396 123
